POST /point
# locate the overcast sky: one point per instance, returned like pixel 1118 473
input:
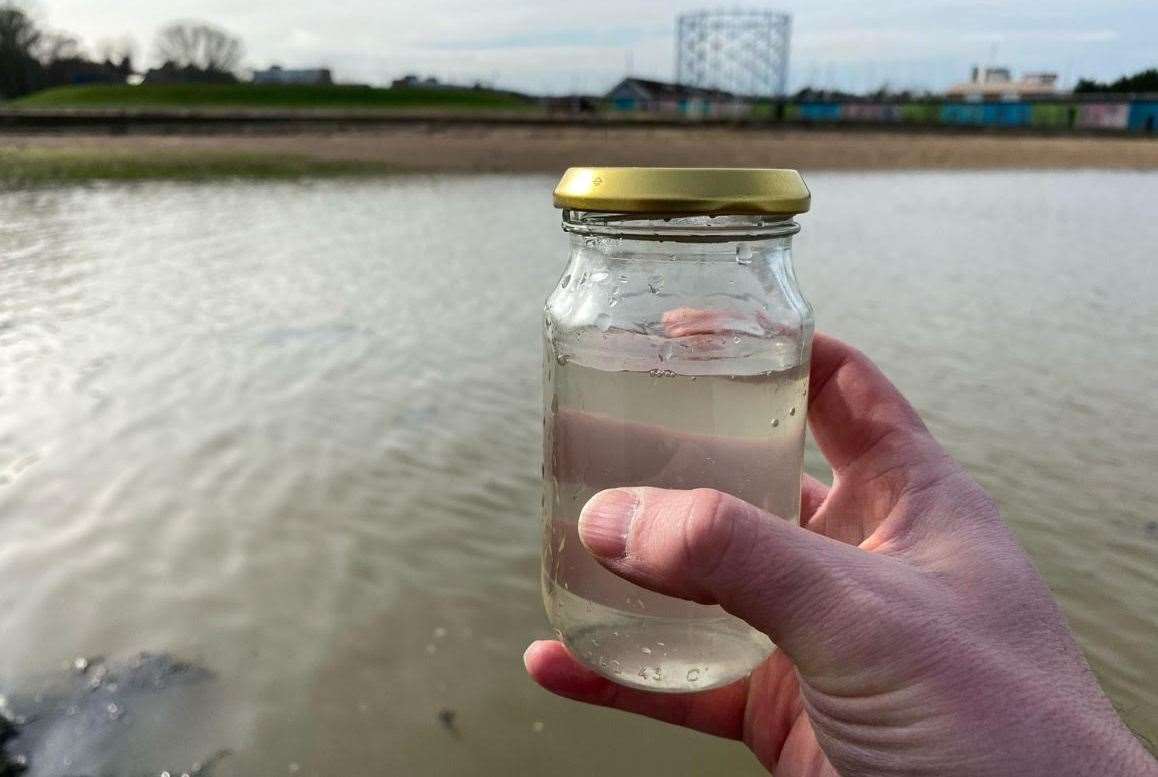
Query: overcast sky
pixel 556 46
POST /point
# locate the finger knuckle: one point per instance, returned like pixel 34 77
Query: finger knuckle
pixel 710 532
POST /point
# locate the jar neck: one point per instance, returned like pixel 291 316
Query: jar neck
pixel 679 228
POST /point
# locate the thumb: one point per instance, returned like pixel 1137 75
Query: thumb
pixel 713 548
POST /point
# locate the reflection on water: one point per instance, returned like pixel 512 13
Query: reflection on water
pixel 289 433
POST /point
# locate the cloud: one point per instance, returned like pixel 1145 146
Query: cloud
pixel 551 38
pixel 1043 36
pixel 551 45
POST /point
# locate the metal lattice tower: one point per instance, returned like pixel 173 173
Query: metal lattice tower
pixel 743 51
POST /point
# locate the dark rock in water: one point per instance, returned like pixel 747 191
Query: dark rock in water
pixel 446 717
pixel 9 766
pixel 79 725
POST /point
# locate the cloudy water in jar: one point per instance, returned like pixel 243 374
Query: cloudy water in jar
pixel 740 434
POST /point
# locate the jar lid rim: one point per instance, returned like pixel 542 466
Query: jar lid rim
pixel 684 190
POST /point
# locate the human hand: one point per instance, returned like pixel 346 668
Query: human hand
pixel 914 635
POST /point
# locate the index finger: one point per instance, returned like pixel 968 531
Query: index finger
pixel 719 711
pixel 853 408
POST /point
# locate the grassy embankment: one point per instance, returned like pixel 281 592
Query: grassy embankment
pixel 28 163
pixel 253 97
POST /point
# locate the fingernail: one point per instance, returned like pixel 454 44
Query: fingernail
pixel 605 521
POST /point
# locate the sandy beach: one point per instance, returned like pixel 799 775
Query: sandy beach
pixel 482 148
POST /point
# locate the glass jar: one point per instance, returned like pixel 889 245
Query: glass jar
pixel 676 355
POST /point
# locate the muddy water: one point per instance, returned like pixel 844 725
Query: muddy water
pixel 290 434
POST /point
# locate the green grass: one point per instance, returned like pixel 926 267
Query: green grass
pixel 34 166
pixel 255 97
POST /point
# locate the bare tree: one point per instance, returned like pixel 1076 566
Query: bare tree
pixel 18 32
pixel 116 50
pixel 199 45
pixel 57 46
pixel 19 44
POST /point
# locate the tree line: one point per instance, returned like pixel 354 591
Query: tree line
pixel 1144 81
pixel 33 58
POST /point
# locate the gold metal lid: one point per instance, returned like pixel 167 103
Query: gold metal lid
pixel 683 190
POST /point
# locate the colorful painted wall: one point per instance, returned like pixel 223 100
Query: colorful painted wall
pixel 1140 115
pixel 1136 116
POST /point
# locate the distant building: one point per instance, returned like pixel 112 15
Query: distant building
pixel 641 94
pixel 319 76
pixel 998 83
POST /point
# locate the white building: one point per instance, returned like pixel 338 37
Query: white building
pixel 997 82
pixel 309 77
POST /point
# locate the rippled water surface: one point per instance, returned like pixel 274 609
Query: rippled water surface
pixel 290 434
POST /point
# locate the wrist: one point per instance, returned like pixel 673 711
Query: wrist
pixel 1063 735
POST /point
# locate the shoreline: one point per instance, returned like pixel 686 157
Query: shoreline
pixel 227 120
pixel 434 147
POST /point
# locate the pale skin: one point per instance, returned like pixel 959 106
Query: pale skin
pixel 914 635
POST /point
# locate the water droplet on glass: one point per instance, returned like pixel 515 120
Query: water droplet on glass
pixel 537 727
pixel 736 339
pixel 655 283
pixel 693 675
pixel 743 254
pixel 603 322
pixel 623 277
pixel 603 661
pixel 616 666
pixel 563 283
pixel 775 422
pixel 667 351
pixel 792 411
pixel 599 276
pixel 646 650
